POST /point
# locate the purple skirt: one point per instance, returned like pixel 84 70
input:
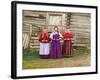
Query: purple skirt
pixel 55 49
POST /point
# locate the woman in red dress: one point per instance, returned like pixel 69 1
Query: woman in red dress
pixel 67 47
pixel 44 44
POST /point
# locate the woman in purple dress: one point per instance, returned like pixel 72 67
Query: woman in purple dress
pixel 55 48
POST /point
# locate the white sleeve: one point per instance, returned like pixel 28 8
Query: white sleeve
pixel 60 35
pixel 51 35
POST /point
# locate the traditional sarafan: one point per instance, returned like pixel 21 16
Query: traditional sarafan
pixel 55 48
pixel 67 48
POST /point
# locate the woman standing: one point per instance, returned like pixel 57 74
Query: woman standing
pixel 55 48
pixel 44 44
pixel 67 49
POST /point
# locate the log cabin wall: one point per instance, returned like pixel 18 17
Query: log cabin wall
pixel 34 21
pixel 80 24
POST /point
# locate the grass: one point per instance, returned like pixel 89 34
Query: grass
pixel 30 54
pixel 31 60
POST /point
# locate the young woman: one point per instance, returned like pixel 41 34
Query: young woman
pixel 55 48
pixel 67 48
pixel 44 44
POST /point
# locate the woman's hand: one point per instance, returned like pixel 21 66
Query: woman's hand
pixel 58 39
pixel 53 39
pixel 44 40
pixel 68 39
pixel 65 39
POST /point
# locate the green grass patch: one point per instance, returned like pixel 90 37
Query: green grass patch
pixel 29 54
pixel 82 50
pixel 31 59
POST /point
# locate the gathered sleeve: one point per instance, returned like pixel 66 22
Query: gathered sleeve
pixel 51 35
pixel 60 35
pixel 71 35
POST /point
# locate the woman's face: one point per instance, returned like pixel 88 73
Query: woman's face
pixel 65 30
pixel 68 30
pixel 45 30
pixel 56 29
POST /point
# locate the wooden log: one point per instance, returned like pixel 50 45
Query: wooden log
pixel 35 47
pixel 34 37
pixel 80 30
pixel 80 17
pixel 80 26
pixel 77 23
pixel 35 19
pixel 80 21
pixel 74 28
pixel 25 40
pixel 81 14
pixel 34 41
pixel 36 24
pixel 35 13
pixel 80 44
pixel 35 44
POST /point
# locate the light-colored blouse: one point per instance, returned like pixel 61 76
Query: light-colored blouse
pixel 53 33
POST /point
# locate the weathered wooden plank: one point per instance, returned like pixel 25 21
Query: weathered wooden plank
pixel 79 26
pixel 26 32
pixel 24 29
pixel 79 44
pixel 78 23
pixel 35 38
pixel 81 21
pixel 80 30
pixel 27 12
pixel 74 31
pixel 34 46
pixel 80 17
pixel 83 37
pixel 37 19
pixel 34 19
pixel 34 22
pixel 81 14
pixel 35 43
pixel 25 40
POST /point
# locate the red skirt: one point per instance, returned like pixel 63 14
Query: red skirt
pixel 67 48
